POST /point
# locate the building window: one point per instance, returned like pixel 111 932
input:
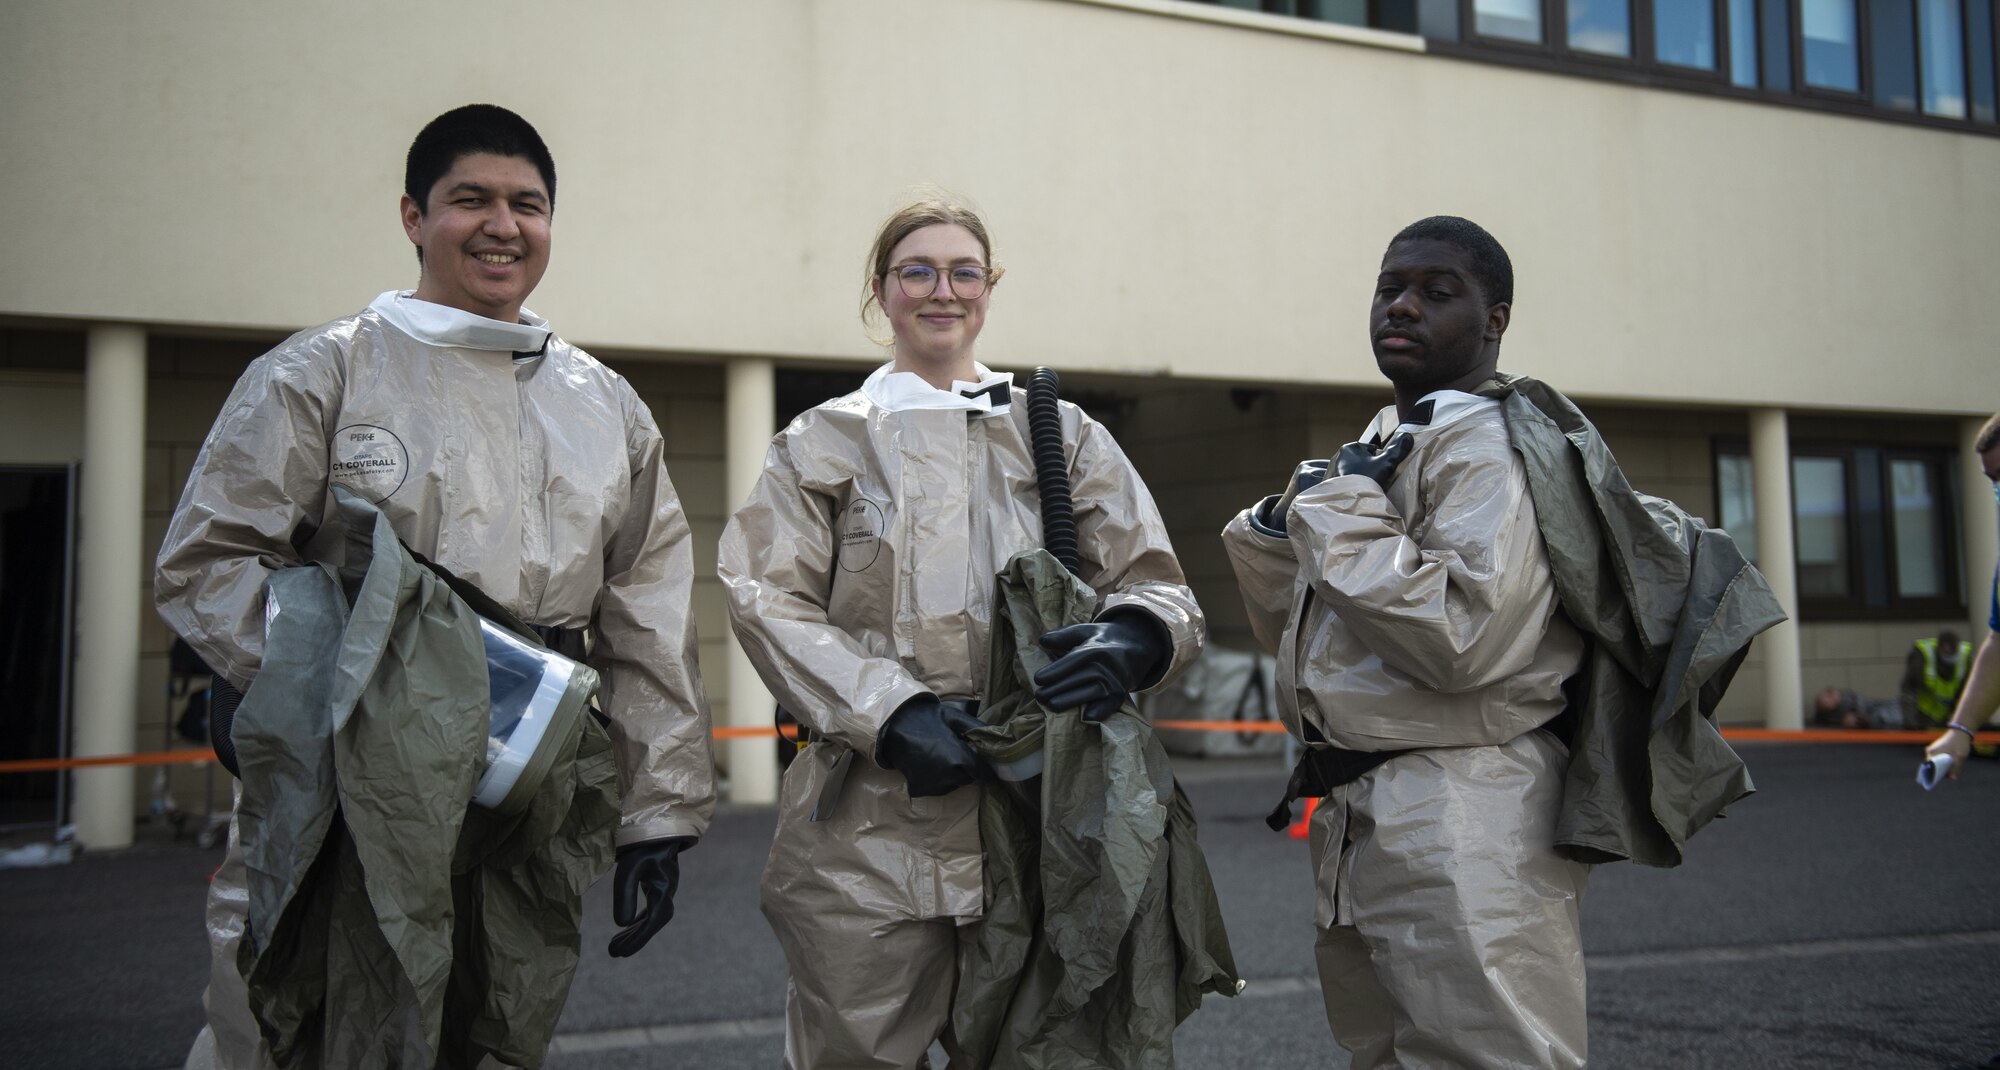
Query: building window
pixel 1509 20
pixel 1601 27
pixel 1920 547
pixel 1980 40
pixel 1943 50
pixel 1931 62
pixel 1871 528
pixel 1735 490
pixel 1743 43
pixel 1832 52
pixel 1777 39
pixel 1397 15
pixel 1684 33
pixel 1892 40
pixel 1819 526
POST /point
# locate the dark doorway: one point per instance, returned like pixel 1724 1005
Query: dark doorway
pixel 35 527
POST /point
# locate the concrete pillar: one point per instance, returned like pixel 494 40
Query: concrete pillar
pixel 111 580
pixel 1980 527
pixel 1771 476
pixel 751 406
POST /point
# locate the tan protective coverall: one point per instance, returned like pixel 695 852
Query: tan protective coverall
pixel 860 573
pixel 542 481
pixel 1426 617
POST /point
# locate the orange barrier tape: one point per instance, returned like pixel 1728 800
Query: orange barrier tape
pixel 789 731
pixel 1270 727
pixel 1739 735
pixel 166 757
pixel 1842 735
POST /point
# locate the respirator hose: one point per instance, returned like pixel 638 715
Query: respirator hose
pixel 223 698
pixel 1051 471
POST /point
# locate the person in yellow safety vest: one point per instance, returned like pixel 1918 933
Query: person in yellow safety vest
pixel 1933 675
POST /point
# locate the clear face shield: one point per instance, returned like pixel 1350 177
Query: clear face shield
pixel 536 695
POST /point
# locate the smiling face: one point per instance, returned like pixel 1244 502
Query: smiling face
pixel 484 235
pixel 1430 325
pixel 935 332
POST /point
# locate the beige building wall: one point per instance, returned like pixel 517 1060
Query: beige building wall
pixel 1173 195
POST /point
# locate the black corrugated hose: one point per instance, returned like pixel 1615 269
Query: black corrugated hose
pixel 1051 471
pixel 223 698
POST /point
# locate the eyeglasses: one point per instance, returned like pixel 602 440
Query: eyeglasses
pixel 967 281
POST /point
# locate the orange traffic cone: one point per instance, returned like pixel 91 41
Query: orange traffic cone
pixel 1299 828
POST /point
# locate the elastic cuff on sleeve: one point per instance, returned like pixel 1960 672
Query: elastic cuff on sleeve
pixel 657 830
pixel 1259 519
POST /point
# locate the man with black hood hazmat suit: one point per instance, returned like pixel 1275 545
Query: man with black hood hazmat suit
pixel 494 448
pixel 1407 594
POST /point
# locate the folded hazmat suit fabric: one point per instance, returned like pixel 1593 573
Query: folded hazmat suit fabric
pixel 1102 929
pixel 391 923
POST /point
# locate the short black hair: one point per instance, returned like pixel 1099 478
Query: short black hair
pixel 464 131
pixel 1489 261
pixel 1989 435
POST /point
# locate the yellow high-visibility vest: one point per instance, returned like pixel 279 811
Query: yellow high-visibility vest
pixel 1939 694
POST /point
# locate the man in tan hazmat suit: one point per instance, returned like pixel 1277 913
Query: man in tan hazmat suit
pixel 496 449
pixel 1405 590
pixel 861 576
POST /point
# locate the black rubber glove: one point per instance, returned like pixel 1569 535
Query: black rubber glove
pixel 652 866
pixel 1362 459
pixel 925 741
pixel 1304 478
pixel 1100 663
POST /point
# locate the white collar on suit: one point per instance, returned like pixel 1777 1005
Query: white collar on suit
pixel 896 391
pixel 442 325
pixel 1447 407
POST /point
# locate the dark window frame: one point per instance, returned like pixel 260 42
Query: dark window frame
pixel 1433 19
pixel 1973 58
pixel 1859 603
pixel 1718 14
pixel 1644 59
pixel 1553 54
pixel 1863 94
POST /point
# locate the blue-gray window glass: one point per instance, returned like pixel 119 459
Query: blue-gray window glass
pixel 1601 26
pixel 1943 50
pixel 1351 12
pixel 1832 52
pixel 1736 494
pixel 1684 33
pixel 1819 505
pixel 1916 516
pixel 1398 15
pixel 1777 39
pixel 1979 33
pixel 1513 20
pixel 1892 49
pixel 1743 42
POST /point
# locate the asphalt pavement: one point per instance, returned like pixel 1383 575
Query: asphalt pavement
pixel 1841 917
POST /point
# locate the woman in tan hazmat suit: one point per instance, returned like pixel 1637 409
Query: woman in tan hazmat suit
pixel 860 576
